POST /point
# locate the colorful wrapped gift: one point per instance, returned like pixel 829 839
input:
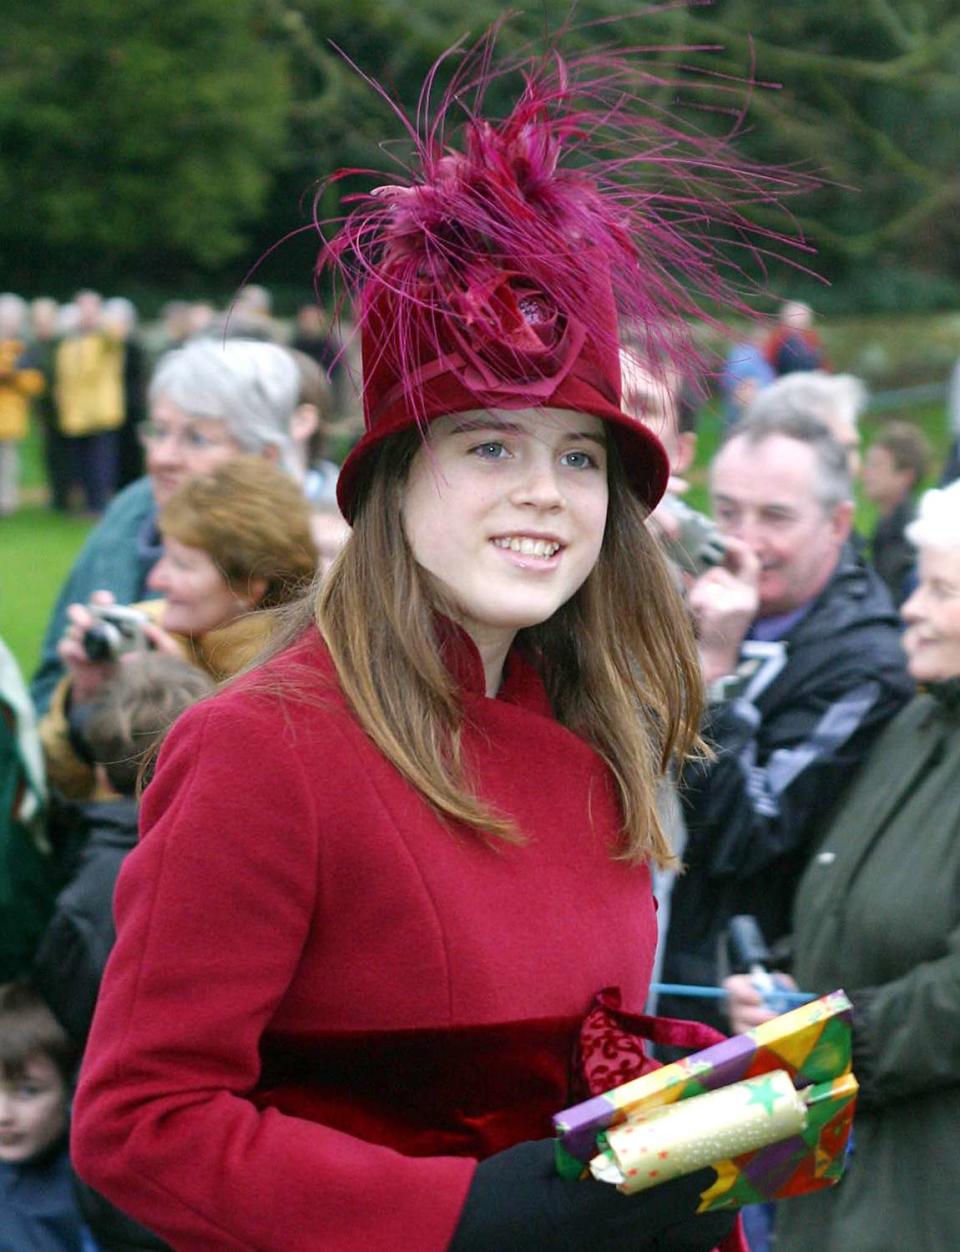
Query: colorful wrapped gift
pixel 764 1142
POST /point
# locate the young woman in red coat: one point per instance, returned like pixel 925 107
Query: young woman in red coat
pixel 383 877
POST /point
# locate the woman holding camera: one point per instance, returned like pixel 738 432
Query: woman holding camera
pixel 383 877
pixel 235 540
pixel 209 402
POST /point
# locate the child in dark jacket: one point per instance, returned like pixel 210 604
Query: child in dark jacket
pixel 38 1206
pixel 127 717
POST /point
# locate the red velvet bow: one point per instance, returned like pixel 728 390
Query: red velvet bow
pixel 610 1051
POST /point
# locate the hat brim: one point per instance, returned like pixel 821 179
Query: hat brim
pixel 642 454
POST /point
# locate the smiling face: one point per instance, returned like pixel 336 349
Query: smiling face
pixel 932 614
pixel 33 1110
pixel 506 511
pixel 179 445
pixel 765 495
pixel 198 597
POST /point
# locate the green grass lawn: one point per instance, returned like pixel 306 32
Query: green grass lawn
pixel 37 548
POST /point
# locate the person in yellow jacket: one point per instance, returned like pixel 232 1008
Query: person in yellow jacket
pixel 88 371
pixel 18 385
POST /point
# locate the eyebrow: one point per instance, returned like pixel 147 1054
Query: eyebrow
pixel 470 424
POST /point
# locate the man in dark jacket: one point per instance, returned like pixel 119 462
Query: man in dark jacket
pixel 800 651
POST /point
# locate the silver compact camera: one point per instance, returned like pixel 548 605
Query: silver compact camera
pixel 699 545
pixel 118 629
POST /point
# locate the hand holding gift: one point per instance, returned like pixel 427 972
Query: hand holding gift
pixel 769 1110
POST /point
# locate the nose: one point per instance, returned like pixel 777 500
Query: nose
pixel 748 530
pixel 912 608
pixel 164 452
pixel 6 1109
pixel 538 483
pixel 157 578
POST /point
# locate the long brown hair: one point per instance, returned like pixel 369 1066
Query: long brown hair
pixel 618 660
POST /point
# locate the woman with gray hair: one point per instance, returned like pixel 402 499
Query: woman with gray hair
pixel 877 912
pixel 208 402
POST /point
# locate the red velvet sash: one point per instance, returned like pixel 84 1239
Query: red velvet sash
pixel 471 1091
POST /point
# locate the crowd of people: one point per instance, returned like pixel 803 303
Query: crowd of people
pixel 80 370
pixel 806 667
pixel 417 744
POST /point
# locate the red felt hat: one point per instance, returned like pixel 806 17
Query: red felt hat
pixel 536 357
pixel 497 274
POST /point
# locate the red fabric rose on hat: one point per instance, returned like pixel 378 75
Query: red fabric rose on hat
pixel 507 335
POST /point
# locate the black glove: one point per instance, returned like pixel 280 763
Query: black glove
pixel 518 1201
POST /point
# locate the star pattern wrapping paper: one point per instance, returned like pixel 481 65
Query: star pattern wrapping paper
pixel 808 1049
pixel 656 1145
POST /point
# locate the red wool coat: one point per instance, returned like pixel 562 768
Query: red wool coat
pixel 323 1006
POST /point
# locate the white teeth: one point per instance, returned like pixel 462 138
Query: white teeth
pixel 529 547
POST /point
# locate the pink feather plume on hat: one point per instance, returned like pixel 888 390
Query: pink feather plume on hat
pixel 506 264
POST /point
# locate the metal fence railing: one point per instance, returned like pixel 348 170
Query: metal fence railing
pixel 906 397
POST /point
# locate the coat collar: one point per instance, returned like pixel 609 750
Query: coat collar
pixel 226 651
pixel 854 595
pixel 946 696
pixel 522 685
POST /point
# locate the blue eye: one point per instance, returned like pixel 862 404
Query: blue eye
pixel 196 440
pixel 492 450
pixel 579 460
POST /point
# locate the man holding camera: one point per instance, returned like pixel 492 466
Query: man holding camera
pixel 801 656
